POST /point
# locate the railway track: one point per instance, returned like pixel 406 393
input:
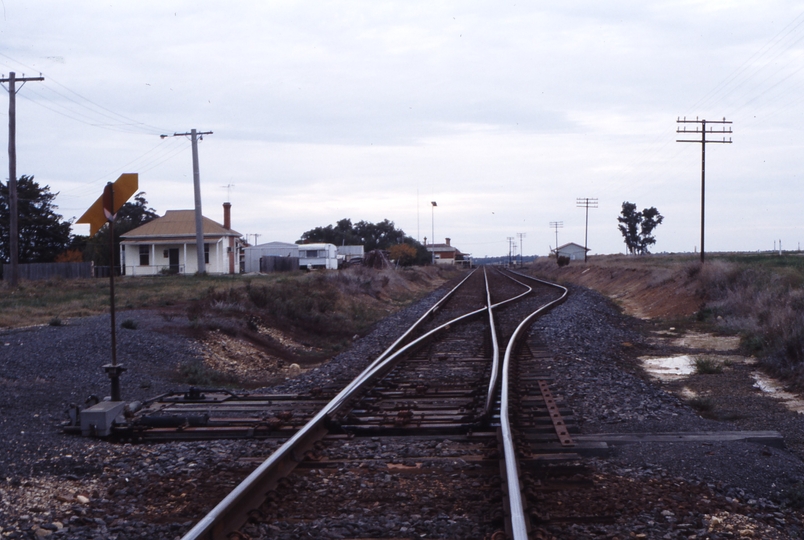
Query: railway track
pixel 428 441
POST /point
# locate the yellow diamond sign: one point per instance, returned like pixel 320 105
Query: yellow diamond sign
pixel 123 188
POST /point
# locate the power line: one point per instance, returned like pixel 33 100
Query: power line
pixel 94 109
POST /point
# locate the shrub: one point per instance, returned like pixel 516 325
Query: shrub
pixel 702 404
pixel 55 321
pixel 197 373
pixel 707 366
pixel 129 324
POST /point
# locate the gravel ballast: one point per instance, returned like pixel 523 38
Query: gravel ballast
pixel 64 486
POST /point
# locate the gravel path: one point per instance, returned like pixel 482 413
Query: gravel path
pixel 70 487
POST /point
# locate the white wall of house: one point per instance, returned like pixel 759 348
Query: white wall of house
pixel 148 259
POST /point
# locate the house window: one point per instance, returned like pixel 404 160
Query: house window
pixel 144 255
pixel 206 253
pixel 312 254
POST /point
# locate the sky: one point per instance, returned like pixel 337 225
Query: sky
pixel 503 113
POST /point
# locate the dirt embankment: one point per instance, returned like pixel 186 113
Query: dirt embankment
pixel 645 287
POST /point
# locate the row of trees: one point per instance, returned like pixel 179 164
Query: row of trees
pixel 382 235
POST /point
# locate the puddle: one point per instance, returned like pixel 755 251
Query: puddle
pixel 669 368
pixel 774 389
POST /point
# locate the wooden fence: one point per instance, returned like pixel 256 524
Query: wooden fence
pixel 36 271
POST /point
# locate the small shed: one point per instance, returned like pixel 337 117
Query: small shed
pixel 572 251
pixel 269 249
pixel 350 253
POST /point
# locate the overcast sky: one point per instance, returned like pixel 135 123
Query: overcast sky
pixel 504 113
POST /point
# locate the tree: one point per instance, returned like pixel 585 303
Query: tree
pixel 637 227
pixel 651 218
pixel 403 254
pixel 42 233
pixel 629 222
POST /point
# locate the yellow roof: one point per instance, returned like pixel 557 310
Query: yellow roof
pixel 176 224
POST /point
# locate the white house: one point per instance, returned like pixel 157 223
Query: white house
pixel 167 245
pixel 573 251
pixel 269 249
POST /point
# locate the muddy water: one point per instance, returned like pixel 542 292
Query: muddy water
pixel 673 368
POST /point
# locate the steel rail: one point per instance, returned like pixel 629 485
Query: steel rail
pixel 251 491
pixel 495 362
pixel 519 528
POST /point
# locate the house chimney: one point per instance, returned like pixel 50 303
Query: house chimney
pixel 447 241
pixel 227 215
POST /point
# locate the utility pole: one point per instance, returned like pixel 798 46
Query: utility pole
pixel 432 224
pixel 557 225
pixel 13 231
pixel 199 221
pixel 510 241
pixel 584 202
pixel 702 130
pixel 521 235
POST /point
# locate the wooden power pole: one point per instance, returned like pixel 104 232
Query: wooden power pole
pixel 13 232
pixel 199 220
pixel 702 130
pixel 584 202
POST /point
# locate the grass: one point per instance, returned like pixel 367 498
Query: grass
pixel 37 302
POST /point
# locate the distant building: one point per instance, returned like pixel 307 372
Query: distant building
pixel 572 250
pixel 167 245
pixel 448 254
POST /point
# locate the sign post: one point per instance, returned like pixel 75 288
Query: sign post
pixel 104 210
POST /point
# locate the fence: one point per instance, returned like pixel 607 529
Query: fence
pixel 37 271
pixel 278 264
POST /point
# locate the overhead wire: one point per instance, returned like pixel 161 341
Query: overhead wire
pixel 85 103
